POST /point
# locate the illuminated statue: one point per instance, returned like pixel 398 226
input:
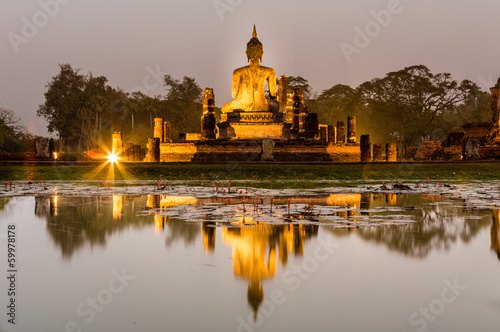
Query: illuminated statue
pixel 249 81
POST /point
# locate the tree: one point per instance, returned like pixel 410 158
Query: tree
pixel 187 91
pixel 182 105
pixel 62 102
pixel 407 104
pixel 12 132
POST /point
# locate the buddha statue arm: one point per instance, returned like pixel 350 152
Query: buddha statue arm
pixel 271 82
pixel 236 84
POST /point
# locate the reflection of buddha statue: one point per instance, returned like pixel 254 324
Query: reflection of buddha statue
pixel 249 81
pixel 255 252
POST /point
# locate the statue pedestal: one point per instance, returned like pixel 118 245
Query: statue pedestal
pixel 253 125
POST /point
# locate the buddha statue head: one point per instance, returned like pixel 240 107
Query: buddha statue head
pixel 255 49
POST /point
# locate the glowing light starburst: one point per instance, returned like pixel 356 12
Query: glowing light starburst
pixel 112 158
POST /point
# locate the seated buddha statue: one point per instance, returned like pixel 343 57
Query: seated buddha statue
pixel 248 88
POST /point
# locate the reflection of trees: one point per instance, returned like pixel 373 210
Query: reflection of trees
pixel 3 202
pixel 179 230
pixel 437 227
pixel 72 222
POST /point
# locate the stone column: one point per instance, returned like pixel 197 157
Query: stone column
pixel 289 106
pixel 340 132
pixel 282 93
pixel 128 152
pixel 391 152
pixel 332 134
pixel 298 105
pixel 158 133
pixel 150 156
pixel 117 146
pixel 208 117
pixel 377 152
pixel 351 129
pixel 323 133
pixel 311 126
pixel 137 153
pixel 168 133
pixel 366 148
pixel 494 104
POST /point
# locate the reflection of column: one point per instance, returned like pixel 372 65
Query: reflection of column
pixel 159 224
pixel 391 199
pixel 117 207
pixel 42 206
pixel 495 232
pixel 208 232
pixel 151 201
pixel 365 203
pixel 53 206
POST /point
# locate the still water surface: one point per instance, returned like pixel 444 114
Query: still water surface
pixel 180 263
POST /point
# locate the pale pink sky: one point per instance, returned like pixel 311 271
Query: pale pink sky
pixel 126 40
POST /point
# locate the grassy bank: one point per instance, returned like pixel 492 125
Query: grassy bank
pixel 251 173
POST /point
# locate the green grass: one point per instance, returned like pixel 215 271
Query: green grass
pixel 266 175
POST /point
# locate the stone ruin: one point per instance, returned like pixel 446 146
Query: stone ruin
pixel 44 148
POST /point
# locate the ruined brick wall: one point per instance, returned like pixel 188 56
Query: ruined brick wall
pixel 180 152
pixel 344 152
pixel 251 151
pixel 429 150
pixel 490 152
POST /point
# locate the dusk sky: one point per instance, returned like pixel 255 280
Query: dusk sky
pixel 127 40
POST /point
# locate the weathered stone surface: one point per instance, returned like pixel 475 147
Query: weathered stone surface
pixel 168 133
pixel 344 152
pixel 323 133
pixel 137 153
pixel 297 109
pixel 351 129
pixel 477 134
pixel 267 149
pixel 208 123
pixel 473 148
pixel 340 132
pixel 311 126
pixel 153 146
pixel 402 151
pixel 366 148
pixel 193 137
pixel 391 152
pixel 158 131
pixel 42 148
pixel 251 150
pixel 282 93
pixel 429 150
pixel 128 150
pixel 332 134
pixel 377 152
